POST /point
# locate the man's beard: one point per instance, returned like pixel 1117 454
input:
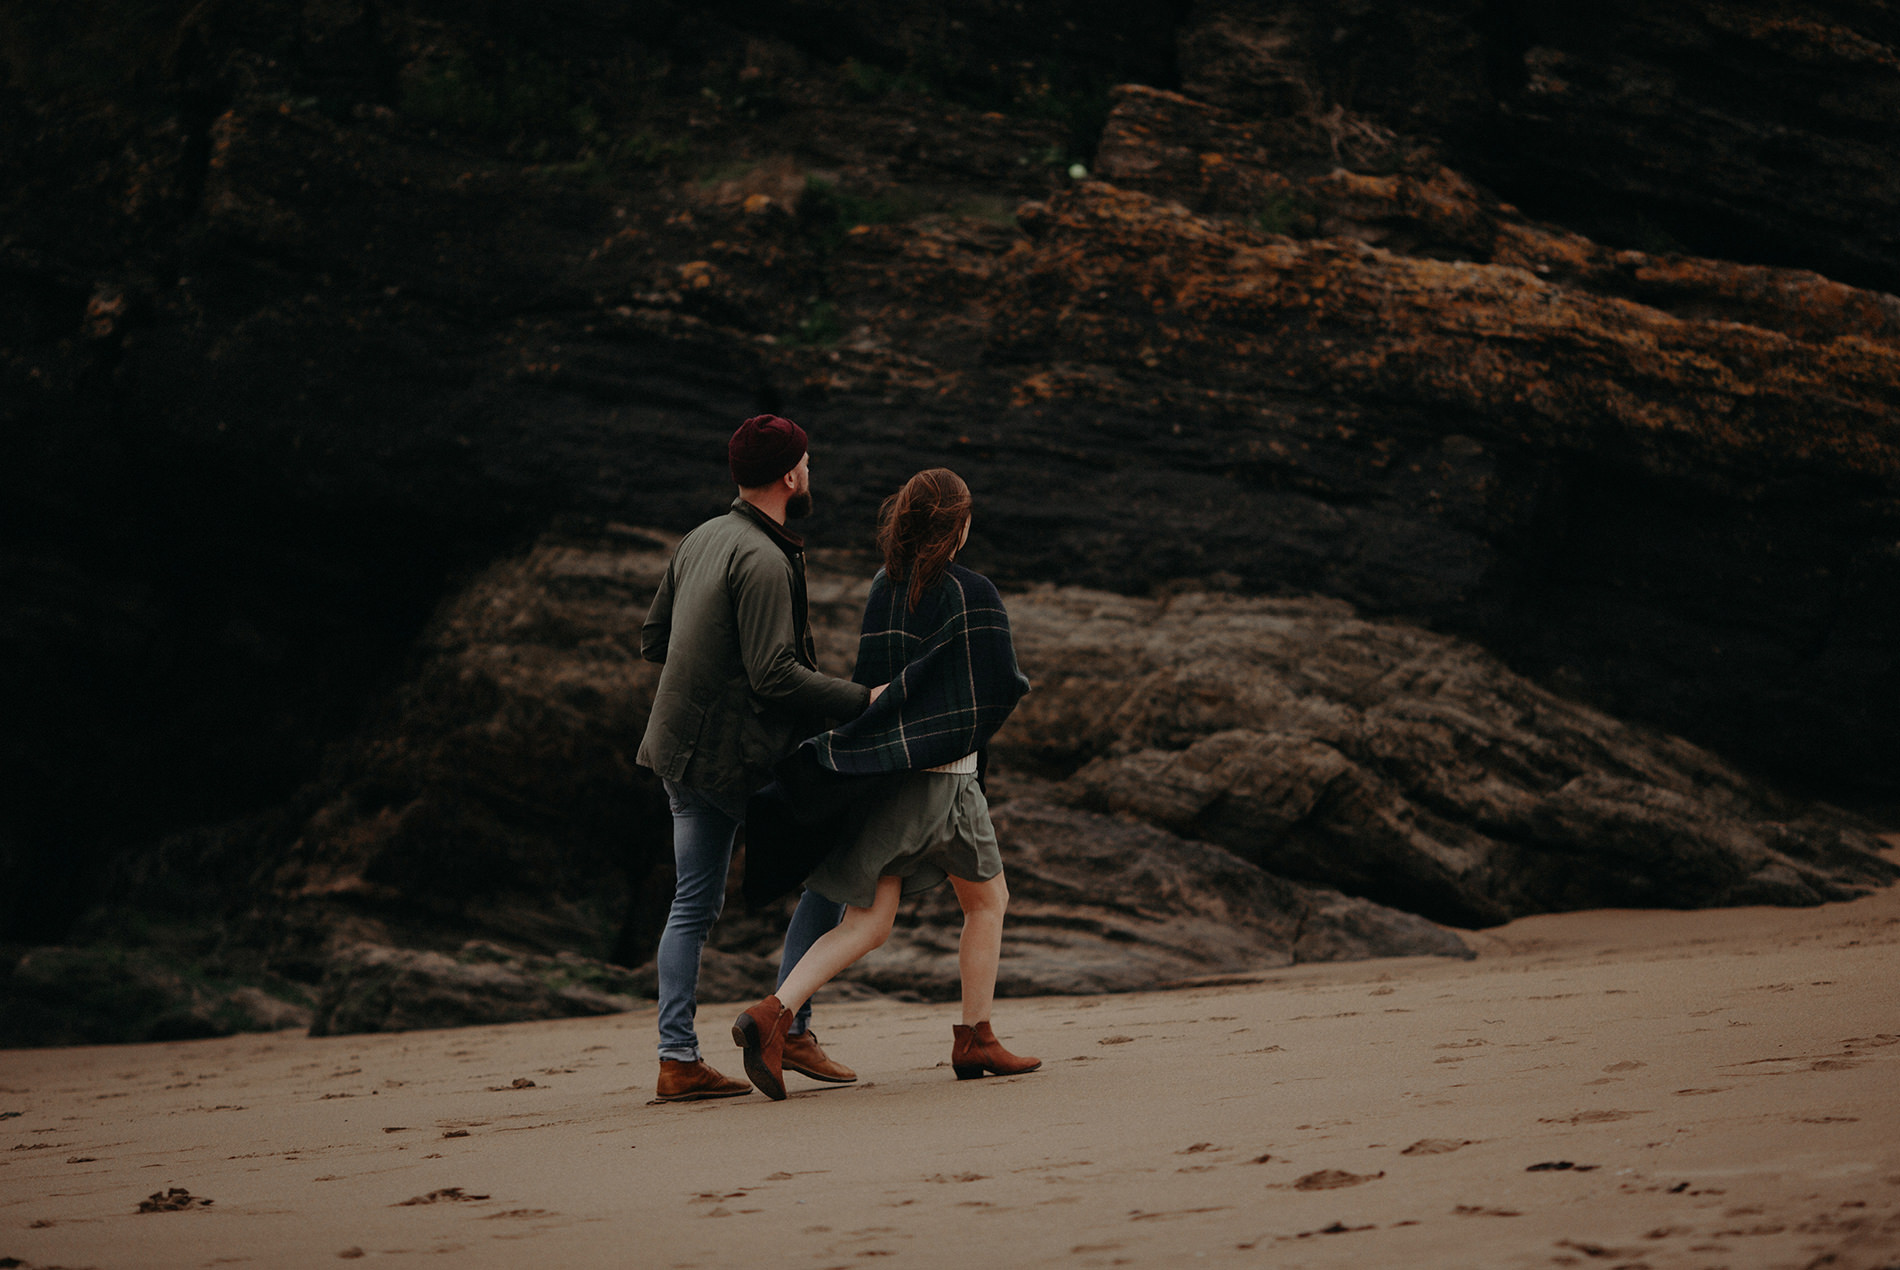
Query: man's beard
pixel 798 506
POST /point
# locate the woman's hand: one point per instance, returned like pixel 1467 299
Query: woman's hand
pixel 878 692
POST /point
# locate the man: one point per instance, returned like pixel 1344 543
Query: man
pixel 739 686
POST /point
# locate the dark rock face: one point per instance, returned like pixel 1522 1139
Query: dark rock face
pixel 1722 129
pixel 1581 483
pixel 1400 765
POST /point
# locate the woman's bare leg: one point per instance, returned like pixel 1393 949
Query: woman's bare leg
pixel 860 931
pixel 981 946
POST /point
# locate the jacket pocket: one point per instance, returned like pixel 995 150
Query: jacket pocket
pixel 767 736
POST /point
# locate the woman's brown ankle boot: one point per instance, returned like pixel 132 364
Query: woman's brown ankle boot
pixel 976 1050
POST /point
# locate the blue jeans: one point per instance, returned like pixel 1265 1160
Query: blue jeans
pixel 704 825
pixel 813 917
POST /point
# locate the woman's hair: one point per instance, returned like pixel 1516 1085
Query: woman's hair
pixel 919 526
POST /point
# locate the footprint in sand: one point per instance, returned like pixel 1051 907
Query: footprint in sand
pixel 447 1195
pixel 1589 1117
pixel 1333 1179
pixel 1435 1146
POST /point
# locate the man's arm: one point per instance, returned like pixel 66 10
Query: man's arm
pixel 762 604
pixel 658 628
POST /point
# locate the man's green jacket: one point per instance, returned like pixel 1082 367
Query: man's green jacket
pixel 740 683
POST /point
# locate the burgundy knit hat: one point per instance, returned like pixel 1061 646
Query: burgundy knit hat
pixel 765 448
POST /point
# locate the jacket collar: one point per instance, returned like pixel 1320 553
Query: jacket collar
pixel 787 541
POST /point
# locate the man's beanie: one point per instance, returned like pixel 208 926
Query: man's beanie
pixel 765 448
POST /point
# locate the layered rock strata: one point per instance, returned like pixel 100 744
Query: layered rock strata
pixel 1401 765
pixel 1726 129
pixel 1202 784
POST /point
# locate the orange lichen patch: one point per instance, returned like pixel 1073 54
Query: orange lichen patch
pixel 1201 156
pixel 1124 279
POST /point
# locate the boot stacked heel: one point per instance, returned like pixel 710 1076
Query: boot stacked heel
pixel 760 1035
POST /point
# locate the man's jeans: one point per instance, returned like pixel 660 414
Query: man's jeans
pixel 813 917
pixel 704 825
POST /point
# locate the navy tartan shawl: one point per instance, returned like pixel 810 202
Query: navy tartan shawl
pixel 952 674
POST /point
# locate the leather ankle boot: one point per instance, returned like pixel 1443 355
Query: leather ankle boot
pixel 976 1050
pixel 760 1033
pixel 687 1082
pixel 803 1054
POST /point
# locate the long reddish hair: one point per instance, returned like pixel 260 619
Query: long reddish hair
pixel 919 528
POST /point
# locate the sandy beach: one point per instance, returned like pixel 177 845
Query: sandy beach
pixel 1609 1088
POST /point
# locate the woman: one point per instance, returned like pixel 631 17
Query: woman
pixel 937 633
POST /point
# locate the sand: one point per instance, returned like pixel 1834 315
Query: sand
pixel 1595 1089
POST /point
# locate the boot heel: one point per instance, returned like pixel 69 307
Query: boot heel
pixel 967 1071
pixel 743 1031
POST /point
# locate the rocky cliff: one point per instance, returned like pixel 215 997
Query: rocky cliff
pixel 1571 340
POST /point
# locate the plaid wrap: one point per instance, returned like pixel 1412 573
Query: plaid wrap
pixel 952 672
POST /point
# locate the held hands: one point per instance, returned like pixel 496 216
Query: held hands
pixel 878 692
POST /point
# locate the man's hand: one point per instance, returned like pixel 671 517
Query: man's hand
pixel 878 692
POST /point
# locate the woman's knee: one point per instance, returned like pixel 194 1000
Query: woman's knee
pixel 990 896
pixel 870 927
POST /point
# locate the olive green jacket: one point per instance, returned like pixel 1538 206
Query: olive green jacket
pixel 739 685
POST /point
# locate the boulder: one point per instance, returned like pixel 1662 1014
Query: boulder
pixel 1372 757
pixel 1108 904
pixel 371 988
pixel 1400 765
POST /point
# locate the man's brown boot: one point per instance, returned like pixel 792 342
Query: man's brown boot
pixel 685 1082
pixel 976 1050
pixel 760 1033
pixel 803 1054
